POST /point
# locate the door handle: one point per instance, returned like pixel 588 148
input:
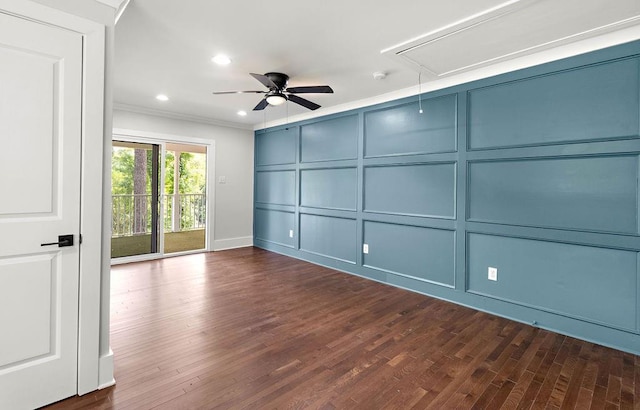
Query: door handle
pixel 63 240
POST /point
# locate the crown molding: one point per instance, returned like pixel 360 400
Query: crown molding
pixel 557 53
pixel 115 4
pixel 121 9
pixel 118 5
pixel 184 117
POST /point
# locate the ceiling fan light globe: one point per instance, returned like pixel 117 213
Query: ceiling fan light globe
pixel 276 99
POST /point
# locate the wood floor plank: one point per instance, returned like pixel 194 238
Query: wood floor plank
pixel 502 394
pixel 517 392
pixel 584 399
pixel 574 382
pixel 470 391
pixel 599 397
pixel 627 399
pixel 547 387
pixel 250 329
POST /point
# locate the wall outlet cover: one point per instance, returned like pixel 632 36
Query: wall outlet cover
pixel 492 273
pixel 365 248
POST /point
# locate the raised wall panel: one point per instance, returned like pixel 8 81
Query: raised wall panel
pixel 585 104
pixel 419 189
pixel 333 188
pixel 422 253
pixel 328 236
pixel 402 130
pixel 549 194
pixel 274 226
pixel 27 291
pixel 276 147
pixel 276 187
pixel 587 193
pixel 330 140
pixel 33 80
pixel 595 284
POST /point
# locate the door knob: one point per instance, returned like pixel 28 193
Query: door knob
pixel 63 240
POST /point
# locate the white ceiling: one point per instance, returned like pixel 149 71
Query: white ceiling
pixel 166 46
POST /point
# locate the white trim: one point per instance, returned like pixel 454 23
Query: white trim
pixel 48 15
pixel 557 53
pixel 105 379
pixel 162 176
pixel 91 210
pixel 121 10
pixel 106 368
pixel 176 116
pixel 152 257
pixel 112 3
pixel 147 136
pixel 233 243
pixel 135 258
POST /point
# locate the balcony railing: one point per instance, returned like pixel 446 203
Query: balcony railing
pixel 131 214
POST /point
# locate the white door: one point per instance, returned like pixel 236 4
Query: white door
pixel 40 130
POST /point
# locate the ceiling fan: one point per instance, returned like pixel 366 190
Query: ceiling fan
pixel 279 93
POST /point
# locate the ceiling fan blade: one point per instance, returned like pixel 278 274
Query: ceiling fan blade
pixel 325 89
pixel 301 101
pixel 261 105
pixel 239 92
pixel 266 81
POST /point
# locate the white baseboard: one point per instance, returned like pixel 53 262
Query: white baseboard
pixel 106 371
pixel 232 243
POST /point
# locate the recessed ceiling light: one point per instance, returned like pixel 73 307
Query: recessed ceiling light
pixel 221 59
pixel 162 97
pixel 242 113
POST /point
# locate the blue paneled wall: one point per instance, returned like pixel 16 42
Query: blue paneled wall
pixel 533 173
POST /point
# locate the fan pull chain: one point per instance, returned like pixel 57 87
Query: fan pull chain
pixel 420 92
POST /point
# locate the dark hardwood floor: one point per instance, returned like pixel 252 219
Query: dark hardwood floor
pixel 252 329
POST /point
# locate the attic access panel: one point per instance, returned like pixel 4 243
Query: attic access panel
pixel 512 29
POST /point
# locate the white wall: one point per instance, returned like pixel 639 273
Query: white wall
pixel 233 205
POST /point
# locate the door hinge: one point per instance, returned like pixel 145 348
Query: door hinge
pixel 80 239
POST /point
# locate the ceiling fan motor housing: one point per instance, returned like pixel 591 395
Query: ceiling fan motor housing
pixel 279 79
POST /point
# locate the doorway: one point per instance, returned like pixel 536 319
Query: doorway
pixel 50 325
pixel 159 199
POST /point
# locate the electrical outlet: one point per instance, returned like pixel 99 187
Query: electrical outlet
pixel 290 233
pixel 492 273
pixel 222 180
pixel 365 248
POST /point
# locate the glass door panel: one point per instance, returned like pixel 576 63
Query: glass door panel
pixel 185 197
pixel 134 199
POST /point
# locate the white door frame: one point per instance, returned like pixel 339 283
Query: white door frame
pixel 91 186
pixel 145 137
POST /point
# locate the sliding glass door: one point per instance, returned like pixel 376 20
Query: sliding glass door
pixel 185 206
pixel 158 198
